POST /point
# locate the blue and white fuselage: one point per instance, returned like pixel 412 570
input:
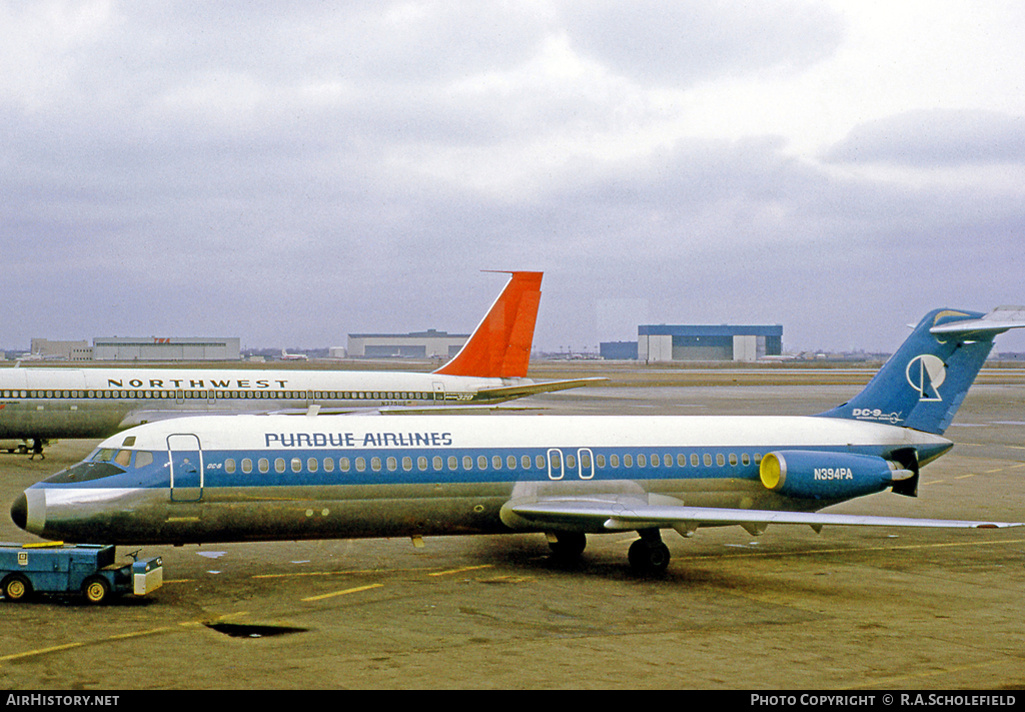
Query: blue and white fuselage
pixel 235 478
pixel 272 477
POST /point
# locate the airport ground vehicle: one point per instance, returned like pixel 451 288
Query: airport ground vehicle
pixel 14 445
pixel 71 568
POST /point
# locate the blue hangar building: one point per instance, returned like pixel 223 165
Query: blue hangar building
pixel 664 342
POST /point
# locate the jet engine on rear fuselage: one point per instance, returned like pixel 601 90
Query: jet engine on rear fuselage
pixel 807 474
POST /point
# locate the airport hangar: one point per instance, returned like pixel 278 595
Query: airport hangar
pixel 696 342
pixel 417 344
pixel 149 348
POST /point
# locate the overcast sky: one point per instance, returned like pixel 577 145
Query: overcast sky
pixel 291 172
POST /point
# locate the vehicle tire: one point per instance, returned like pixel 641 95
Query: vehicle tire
pixel 96 589
pixel 16 588
pixel 649 558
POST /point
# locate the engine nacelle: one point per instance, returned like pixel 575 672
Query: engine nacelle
pixel 807 474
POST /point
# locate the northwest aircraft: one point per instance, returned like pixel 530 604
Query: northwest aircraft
pixel 249 477
pixel 39 404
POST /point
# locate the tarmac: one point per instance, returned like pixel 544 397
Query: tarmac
pixel 848 609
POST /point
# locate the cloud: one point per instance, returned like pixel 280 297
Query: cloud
pixel 680 44
pixel 935 138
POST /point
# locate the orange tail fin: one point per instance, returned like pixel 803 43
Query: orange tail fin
pixel 500 345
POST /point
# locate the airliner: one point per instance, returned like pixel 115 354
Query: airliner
pixel 250 477
pixel 39 404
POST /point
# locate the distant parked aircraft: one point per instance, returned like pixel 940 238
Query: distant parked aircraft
pixel 39 404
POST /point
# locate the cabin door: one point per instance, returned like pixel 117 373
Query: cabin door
pixel 186 457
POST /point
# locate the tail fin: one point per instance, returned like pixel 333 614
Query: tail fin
pixel 500 345
pixel 924 383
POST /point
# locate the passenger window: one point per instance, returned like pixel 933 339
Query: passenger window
pixel 694 460
pixel 708 460
pixel 681 460
pixel 600 460
pixel 720 460
pixel 614 460
pixel 375 464
pixel 453 462
pixel 279 464
pixel 297 464
pixel 343 464
pixel 407 463
pixel 571 462
pixel 510 462
pixel 247 465
pixel 482 462
pixel 311 464
pixel 393 464
pixel 329 465
pixel 437 463
pixel 540 462
pixel 628 460
pixel 525 462
pixel 733 459
pixel 264 465
pixel 745 458
pixel 361 464
pixel 467 462
pixel 496 462
pixel 642 461
pixel 421 463
pixel 229 466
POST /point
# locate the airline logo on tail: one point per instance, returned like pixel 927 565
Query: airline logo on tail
pixel 926 374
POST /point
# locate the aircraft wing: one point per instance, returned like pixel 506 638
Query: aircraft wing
pixel 141 416
pixel 526 389
pixel 619 515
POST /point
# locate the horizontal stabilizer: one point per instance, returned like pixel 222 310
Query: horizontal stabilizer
pixel 997 321
pixel 616 516
pixel 531 388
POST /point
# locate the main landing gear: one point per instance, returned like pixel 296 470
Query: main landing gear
pixel 648 556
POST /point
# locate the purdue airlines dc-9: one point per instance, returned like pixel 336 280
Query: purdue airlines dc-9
pixel 243 478
pixel 51 403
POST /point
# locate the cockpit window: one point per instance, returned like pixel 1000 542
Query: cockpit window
pixel 85 471
pixel 104 463
pixel 103 455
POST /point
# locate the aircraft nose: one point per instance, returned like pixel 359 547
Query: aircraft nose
pixel 19 511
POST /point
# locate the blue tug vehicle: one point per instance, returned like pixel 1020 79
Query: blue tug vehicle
pixel 89 569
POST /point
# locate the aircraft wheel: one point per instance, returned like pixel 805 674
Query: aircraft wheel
pixel 16 588
pixel 96 589
pixel 649 558
pixel 568 545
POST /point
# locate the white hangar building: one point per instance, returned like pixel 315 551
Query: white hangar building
pixel 417 344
